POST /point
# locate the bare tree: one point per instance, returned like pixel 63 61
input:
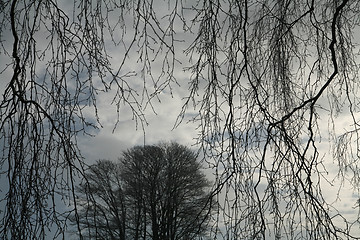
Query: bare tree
pixel 154 192
pixel 270 71
pixel 54 63
pixel 264 76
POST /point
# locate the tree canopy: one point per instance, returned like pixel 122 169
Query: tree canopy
pixel 263 78
pixel 153 192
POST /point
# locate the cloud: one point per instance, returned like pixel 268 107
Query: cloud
pixel 108 142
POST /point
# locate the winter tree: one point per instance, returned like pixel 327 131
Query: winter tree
pixel 154 192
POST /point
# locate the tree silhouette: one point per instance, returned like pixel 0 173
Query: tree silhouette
pixel 155 192
pixel 264 77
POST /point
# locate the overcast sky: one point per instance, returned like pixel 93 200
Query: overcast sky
pixel 110 141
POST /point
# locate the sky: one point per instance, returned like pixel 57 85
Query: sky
pixel 109 142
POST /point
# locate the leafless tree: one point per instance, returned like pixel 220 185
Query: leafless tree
pixel 265 75
pixel 54 63
pixel 154 192
pixel 270 70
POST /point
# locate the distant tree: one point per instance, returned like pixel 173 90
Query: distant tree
pixel 155 192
